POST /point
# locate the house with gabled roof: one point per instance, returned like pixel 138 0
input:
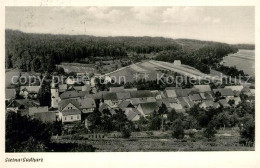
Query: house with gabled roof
pixel 141 94
pixel 207 96
pixel 196 98
pixel 237 100
pixel 21 105
pixel 235 88
pixel 209 104
pixel 69 111
pixel 147 109
pixel 133 114
pixel 224 92
pixel 110 98
pixel 126 104
pixel 192 91
pixel 181 92
pixel 87 105
pixel 202 88
pixel 224 103
pixel 170 93
pixel 72 94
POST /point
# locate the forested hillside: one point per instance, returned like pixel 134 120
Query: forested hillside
pixel 40 52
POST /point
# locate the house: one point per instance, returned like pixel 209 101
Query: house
pixel 177 62
pixel 209 103
pixel 29 91
pixel 45 116
pixel 237 100
pixel 110 99
pixel 21 106
pixel 123 96
pixel 147 109
pixel 73 94
pixel 188 101
pixel 181 92
pixel 156 94
pixel 202 88
pixel 69 111
pixel 70 116
pixel 38 109
pixel 103 106
pixel 238 88
pixel 10 94
pixel 62 87
pixel 224 103
pixel 207 96
pixel 183 103
pixel 196 98
pixel 68 104
pixel 224 92
pixel 126 104
pixel 116 89
pixel 192 91
pixel 87 105
pixel 132 114
pixel 170 92
pixel 141 94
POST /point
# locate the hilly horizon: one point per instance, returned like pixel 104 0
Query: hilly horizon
pixel 181 41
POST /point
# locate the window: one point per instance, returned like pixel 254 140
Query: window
pixel 78 117
pixel 65 118
pixel 71 117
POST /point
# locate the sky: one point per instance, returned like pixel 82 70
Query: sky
pixel 223 24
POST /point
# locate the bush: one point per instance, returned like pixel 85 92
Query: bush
pixel 126 132
pixel 178 131
pixel 210 131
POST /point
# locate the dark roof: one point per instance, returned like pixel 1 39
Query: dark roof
pixel 39 109
pixel 125 104
pixel 203 88
pixel 224 103
pixel 132 113
pixel 195 97
pixel 141 93
pixel 148 108
pixel 181 92
pixel 110 96
pixel 69 94
pixel 71 112
pixel 10 93
pixel 45 116
pixel 192 91
pixel 224 92
pixel 63 103
pixel 22 103
pixel 87 103
pixel 123 95
pixel 116 89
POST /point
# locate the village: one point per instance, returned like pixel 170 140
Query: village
pixel 73 100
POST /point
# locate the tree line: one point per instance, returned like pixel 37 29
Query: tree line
pixel 41 52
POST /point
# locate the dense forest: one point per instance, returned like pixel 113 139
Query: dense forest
pixel 40 52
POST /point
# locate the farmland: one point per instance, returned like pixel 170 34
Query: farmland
pixel 154 69
pixel 226 140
